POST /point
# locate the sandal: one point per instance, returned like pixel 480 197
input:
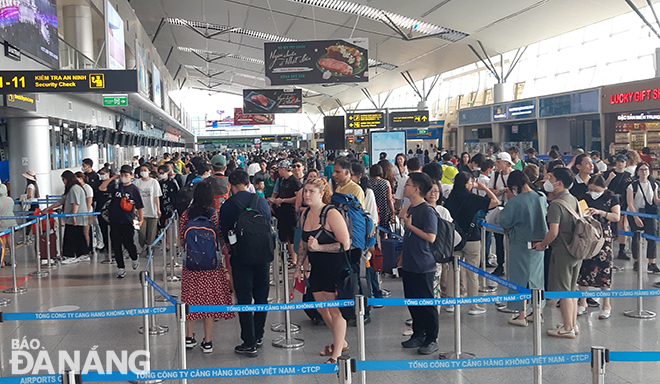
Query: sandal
pixel 331 360
pixel 327 351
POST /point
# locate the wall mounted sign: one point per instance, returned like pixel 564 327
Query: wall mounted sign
pixel 75 81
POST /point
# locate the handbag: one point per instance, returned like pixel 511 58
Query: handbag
pixel 651 209
pixel 125 203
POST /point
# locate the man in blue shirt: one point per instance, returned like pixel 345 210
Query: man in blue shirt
pixel 418 264
pixel 251 282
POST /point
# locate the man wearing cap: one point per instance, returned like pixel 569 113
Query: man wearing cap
pixel 284 207
pixel 617 181
pixel 531 157
pixel 498 184
pixel 218 181
pixel 125 200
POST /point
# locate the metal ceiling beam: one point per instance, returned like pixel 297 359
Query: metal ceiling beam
pixel 366 93
pixel 634 8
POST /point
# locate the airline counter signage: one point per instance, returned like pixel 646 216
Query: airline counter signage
pixel 75 81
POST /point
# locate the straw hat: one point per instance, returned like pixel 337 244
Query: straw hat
pixel 30 175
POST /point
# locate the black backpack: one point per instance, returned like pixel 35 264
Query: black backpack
pixel 184 197
pixel 443 246
pixel 255 239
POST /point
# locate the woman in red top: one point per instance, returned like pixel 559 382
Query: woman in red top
pixel 209 287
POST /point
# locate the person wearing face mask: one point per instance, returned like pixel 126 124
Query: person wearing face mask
pixel 583 169
pixel 617 181
pixel 643 196
pixel 125 200
pixel 101 198
pixel 523 218
pixel 92 177
pixel 169 189
pixel 151 193
pixel 597 271
pixel 498 184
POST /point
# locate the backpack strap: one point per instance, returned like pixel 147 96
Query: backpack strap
pixel 638 185
pixel 324 214
pixel 564 204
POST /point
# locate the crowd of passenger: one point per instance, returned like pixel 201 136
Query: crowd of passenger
pixel 536 202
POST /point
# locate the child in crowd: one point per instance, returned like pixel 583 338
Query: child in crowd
pixel 259 186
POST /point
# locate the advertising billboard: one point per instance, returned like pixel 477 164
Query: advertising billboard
pixel 32 27
pixel 114 29
pixel 317 62
pixel 141 61
pixel 272 101
pixel 156 85
pixel 252 118
pixel 390 143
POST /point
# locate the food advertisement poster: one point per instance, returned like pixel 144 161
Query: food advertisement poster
pixel 317 62
pixel 252 118
pixel 32 27
pixel 261 101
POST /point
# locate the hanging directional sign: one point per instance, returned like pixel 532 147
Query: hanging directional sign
pixel 75 81
pixel 415 119
pixel 365 120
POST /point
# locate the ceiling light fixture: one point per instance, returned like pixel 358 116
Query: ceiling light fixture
pixel 398 23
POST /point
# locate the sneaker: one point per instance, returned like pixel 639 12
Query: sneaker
pixel 121 273
pixel 247 350
pixel 191 342
pixel 449 308
pixel 500 304
pixel 635 266
pixel 576 328
pixel 530 318
pixel 260 342
pixel 70 260
pixel 499 271
pixel 136 263
pixel 428 349
pixel 653 268
pixel 561 332
pixel 477 311
pixel 622 256
pixel 518 321
pixel 44 261
pixel 386 292
pixel 409 322
pixel 605 314
pixel 581 310
pixel 207 347
pixel 84 258
pixel 592 303
pixel 408 332
pixel 376 306
pixel 657 284
pixel 413 342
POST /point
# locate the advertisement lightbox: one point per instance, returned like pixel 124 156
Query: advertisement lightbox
pixel 32 27
pixel 114 29
pixel 391 143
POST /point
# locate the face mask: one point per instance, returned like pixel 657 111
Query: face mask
pixel 83 169
pixel 515 193
pixel 548 186
pixel 125 180
pixel 162 176
pixel 204 176
pixel 595 195
pixel 103 177
pixel 144 175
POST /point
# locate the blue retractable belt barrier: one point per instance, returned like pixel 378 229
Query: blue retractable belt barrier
pixel 491 226
pixel 625 233
pixel 650 237
pixel 494 362
pixel 271 307
pixel 631 356
pixel 390 233
pixel 639 214
pixel 593 294
pixel 85 314
pixel 19 217
pixel 75 214
pixel 450 300
pixel 26 224
pixel 494 278
pixel 161 290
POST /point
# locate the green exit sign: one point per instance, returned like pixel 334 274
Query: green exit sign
pixel 422 131
pixel 115 100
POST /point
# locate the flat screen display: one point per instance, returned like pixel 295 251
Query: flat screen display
pixel 32 27
pixel 390 143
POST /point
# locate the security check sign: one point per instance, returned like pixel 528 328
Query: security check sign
pixel 73 81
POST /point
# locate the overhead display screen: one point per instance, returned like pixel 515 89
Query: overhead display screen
pixel 317 62
pixel 85 81
pixel 391 143
pixel 32 27
pixel 365 120
pixel 272 101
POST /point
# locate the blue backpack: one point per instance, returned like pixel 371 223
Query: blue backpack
pixel 358 222
pixel 201 243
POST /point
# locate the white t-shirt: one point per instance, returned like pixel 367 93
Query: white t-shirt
pixel 398 194
pixel 638 198
pixel 149 190
pixel 631 169
pixel 89 191
pixel 485 180
pixel 499 182
pixel 32 187
pixel 370 206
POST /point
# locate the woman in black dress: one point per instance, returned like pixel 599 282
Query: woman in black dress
pixel 597 271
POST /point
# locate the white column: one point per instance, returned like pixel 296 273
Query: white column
pixel 92 152
pixel 542 127
pixel 77 27
pixel 29 142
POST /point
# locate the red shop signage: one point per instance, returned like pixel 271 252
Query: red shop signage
pixel 630 97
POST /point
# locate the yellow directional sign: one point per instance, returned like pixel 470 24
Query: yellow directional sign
pixel 414 119
pixel 366 120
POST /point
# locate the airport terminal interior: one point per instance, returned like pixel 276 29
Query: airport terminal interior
pixel 109 85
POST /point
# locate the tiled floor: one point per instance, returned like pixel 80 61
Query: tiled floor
pixel 93 286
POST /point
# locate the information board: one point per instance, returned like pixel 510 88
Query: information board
pixel 415 119
pixel 272 101
pixel 365 120
pixel 74 81
pixel 391 143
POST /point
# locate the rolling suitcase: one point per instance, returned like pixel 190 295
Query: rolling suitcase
pixel 391 248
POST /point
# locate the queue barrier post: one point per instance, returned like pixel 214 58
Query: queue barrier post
pixel 457 353
pixel 483 286
pixel 639 312
pixel 153 327
pixel 37 247
pixel 507 247
pixel 345 371
pixel 537 298
pixel 287 341
pixel 49 256
pixel 360 310
pixel 71 377
pixel 92 239
pixel 280 266
pixel 108 258
pixel 15 288
pixel 163 243
pixel 182 310
pixel 145 325
pixel 598 360
pixel 173 277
